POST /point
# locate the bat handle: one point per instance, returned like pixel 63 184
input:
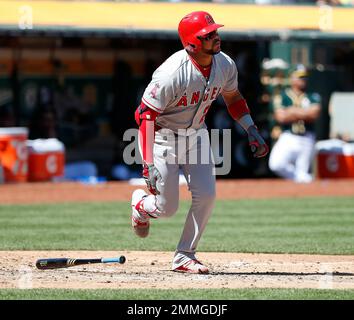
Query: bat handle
pixel 120 260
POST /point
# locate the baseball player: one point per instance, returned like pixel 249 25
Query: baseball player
pixel 172 111
pixel 295 111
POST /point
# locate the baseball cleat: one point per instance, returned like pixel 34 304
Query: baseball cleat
pixel 192 266
pixel 140 219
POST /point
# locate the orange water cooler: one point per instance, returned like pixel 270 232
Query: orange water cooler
pixel 334 159
pixel 13 154
pixel 46 159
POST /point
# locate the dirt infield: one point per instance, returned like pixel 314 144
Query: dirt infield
pixel 152 269
pixel 121 191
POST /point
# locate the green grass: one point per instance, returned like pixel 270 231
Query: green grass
pixel 304 225
pixel 181 294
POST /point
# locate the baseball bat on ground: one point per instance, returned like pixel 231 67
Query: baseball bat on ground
pixel 55 263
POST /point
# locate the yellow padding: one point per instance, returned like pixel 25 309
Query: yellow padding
pixel 152 16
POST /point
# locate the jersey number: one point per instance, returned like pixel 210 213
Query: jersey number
pixel 204 113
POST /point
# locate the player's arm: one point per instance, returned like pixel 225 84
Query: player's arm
pixel 238 108
pixel 157 95
pixel 309 114
pixel 292 114
pixel 145 118
pixel 239 111
pixel 284 114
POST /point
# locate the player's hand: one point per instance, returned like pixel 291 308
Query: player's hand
pixel 151 175
pixel 257 143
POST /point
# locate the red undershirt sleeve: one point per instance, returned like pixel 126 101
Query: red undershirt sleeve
pixel 145 118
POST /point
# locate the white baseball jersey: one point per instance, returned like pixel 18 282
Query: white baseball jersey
pixel 182 95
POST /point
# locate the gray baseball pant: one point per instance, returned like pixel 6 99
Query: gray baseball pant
pixel 191 154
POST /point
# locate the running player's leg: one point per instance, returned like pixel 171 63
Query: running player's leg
pixel 164 204
pixel 201 182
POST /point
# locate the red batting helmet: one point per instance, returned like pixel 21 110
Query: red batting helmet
pixel 194 25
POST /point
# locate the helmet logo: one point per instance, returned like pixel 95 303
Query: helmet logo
pixel 209 19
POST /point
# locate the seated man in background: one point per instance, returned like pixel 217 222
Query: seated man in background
pixel 295 111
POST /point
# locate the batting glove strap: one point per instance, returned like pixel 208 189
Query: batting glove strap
pixel 151 175
pixel 257 143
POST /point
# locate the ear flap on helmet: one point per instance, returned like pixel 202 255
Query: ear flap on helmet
pixel 191 47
